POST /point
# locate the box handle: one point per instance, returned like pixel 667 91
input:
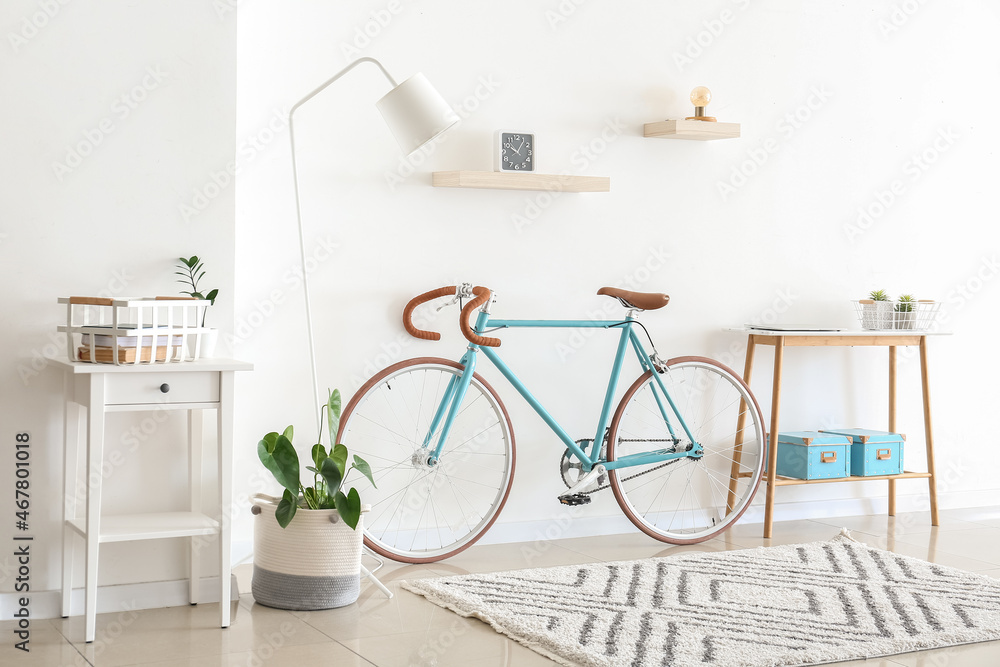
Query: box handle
pixel 883 454
pixel 828 457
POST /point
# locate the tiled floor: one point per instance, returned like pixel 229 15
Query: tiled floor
pixel 409 631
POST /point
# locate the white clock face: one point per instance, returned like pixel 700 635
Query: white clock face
pixel 517 152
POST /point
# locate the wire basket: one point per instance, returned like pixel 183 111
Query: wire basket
pixel 125 331
pixel 896 315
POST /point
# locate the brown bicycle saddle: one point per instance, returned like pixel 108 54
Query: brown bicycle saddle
pixel 640 300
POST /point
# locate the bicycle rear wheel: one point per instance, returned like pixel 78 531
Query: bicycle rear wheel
pixel 423 513
pixel 689 499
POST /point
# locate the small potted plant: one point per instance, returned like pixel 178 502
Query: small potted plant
pixel 192 270
pixel 905 312
pixel 876 311
pixel 307 544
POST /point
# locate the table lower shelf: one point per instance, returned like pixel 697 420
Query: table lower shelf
pixel 791 481
pixel 128 527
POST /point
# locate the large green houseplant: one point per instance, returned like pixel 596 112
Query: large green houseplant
pixel 307 543
pixel 329 469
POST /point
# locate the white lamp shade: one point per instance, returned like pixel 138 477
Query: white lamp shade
pixel 415 112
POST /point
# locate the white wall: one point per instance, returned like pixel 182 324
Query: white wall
pixel 836 103
pixel 136 101
pixel 777 243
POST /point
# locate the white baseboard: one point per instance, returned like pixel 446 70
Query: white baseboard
pixel 563 522
pixel 118 598
pixel 566 522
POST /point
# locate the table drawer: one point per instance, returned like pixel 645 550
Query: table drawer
pixel 138 388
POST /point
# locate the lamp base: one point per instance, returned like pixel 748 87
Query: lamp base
pixel 708 119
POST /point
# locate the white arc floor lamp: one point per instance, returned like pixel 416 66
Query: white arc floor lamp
pixel 415 113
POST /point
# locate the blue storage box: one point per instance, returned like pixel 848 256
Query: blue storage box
pixel 874 452
pixel 813 455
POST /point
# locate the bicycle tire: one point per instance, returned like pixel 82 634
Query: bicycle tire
pixel 489 461
pixel 695 512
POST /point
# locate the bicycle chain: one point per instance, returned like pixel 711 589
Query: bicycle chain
pixel 638 474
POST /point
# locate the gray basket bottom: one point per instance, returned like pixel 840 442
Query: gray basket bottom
pixel 292 591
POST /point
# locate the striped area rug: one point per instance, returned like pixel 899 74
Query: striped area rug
pixel 789 605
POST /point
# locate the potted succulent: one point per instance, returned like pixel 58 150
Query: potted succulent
pixel 192 270
pixel 876 311
pixel 307 544
pixel 905 312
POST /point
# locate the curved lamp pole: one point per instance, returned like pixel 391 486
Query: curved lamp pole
pixel 415 113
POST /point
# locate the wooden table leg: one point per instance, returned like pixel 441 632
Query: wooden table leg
pixel 225 498
pixel 71 453
pixel 194 485
pixel 772 448
pixel 734 475
pixel 95 456
pixel 892 421
pixel 928 436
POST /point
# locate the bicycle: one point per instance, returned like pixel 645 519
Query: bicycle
pixel 683 453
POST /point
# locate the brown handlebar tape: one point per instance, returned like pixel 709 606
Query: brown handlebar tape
pixel 416 301
pixel 482 296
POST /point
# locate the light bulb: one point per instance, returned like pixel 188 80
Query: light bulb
pixel 701 96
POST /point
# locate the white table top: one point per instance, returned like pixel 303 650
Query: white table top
pixel 847 333
pixel 78 367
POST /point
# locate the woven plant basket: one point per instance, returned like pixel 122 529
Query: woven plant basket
pixel 314 563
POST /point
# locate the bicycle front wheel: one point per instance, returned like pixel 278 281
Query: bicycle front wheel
pixel 690 499
pixel 422 513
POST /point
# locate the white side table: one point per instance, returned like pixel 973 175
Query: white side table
pixel 97 389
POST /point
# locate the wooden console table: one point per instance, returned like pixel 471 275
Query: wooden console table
pixel 891 339
pixel 92 391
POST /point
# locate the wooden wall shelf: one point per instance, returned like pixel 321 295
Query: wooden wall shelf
pixel 699 130
pixel 498 180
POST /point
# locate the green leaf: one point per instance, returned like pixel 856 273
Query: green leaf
pixel 312 469
pixel 289 432
pixel 282 461
pixel 319 454
pixel 333 416
pixel 286 508
pixel 339 456
pixel 363 467
pixel 269 440
pixel 309 494
pixel 192 261
pixel 349 507
pixel 211 296
pixel 331 475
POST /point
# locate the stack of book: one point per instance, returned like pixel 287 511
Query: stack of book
pixel 129 347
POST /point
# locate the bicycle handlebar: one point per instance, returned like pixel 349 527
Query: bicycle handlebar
pixel 481 294
pixel 416 301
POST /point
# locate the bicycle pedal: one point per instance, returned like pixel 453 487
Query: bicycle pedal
pixel 575 499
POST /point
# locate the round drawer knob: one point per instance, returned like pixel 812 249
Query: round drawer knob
pixel 164 387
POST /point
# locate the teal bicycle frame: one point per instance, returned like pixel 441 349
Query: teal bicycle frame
pixel 458 385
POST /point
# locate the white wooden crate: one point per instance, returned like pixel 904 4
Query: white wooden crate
pixel 134 330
